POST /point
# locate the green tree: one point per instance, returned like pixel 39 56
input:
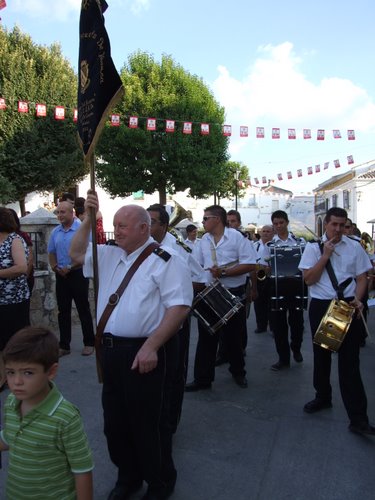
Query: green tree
pixel 135 159
pixel 233 180
pixel 36 154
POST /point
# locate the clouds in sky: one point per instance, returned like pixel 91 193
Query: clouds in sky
pixel 62 10
pixel 276 93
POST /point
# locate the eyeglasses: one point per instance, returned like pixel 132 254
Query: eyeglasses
pixel 206 217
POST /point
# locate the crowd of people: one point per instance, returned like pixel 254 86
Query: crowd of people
pixel 150 281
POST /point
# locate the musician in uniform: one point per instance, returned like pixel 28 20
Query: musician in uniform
pixel 291 315
pixel 149 312
pixel 350 264
pixel 229 257
pixel 261 303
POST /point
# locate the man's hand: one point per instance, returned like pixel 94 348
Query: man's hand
pixel 145 360
pixel 358 305
pixel 215 271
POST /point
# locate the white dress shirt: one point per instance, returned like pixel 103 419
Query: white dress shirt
pixel 233 248
pixel 348 261
pixel 156 286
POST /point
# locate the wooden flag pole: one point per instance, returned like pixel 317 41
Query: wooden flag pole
pixel 92 162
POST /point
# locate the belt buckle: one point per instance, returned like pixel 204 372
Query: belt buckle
pixel 113 299
pixel 107 341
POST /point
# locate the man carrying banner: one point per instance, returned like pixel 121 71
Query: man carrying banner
pixel 148 313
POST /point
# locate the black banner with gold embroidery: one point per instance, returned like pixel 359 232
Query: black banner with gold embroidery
pixel 99 84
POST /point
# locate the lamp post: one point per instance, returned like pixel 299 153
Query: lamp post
pixel 236 175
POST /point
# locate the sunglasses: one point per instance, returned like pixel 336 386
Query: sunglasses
pixel 206 217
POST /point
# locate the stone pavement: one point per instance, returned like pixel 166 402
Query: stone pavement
pixel 247 444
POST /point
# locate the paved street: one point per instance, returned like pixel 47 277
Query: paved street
pixel 247 444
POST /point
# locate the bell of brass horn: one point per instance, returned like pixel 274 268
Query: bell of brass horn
pixel 178 214
pixel 260 273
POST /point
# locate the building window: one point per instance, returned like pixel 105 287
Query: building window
pixel 251 202
pixel 346 199
pixel 334 200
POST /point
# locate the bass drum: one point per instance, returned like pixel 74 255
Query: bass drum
pixel 287 287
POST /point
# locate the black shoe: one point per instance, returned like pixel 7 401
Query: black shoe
pixel 221 361
pixel 122 492
pixel 363 429
pixel 159 494
pixel 260 330
pixel 316 405
pixel 279 366
pixel 297 356
pixel 241 381
pixel 196 386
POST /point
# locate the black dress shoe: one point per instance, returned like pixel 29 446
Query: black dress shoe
pixel 196 386
pixel 220 361
pixel 260 330
pixel 161 494
pixel 124 491
pixel 241 381
pixel 279 366
pixel 316 405
pixel 363 429
pixel 297 356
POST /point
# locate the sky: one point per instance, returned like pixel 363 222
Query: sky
pixel 275 64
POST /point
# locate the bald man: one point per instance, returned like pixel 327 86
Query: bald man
pixel 70 282
pixel 149 312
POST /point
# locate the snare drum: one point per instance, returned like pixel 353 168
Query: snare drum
pixel 287 287
pixel 215 305
pixel 334 325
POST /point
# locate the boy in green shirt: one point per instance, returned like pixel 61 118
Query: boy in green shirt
pixel 49 456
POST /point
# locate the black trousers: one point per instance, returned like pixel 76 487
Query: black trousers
pixel 232 334
pixel 13 318
pixel 280 321
pixel 132 404
pixel 351 386
pixel 262 305
pixel 73 287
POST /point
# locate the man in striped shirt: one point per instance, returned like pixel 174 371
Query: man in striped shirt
pixel 49 456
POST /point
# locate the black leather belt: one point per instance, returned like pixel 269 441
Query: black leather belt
pixel 109 340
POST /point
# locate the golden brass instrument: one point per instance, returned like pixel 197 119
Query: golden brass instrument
pixel 178 214
pixel 261 272
pixel 334 325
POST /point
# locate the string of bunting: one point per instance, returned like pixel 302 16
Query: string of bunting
pixel 133 122
pixel 187 128
pixel 310 171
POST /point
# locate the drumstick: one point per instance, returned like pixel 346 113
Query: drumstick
pixel 364 321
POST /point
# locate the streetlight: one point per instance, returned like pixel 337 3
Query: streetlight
pixel 236 176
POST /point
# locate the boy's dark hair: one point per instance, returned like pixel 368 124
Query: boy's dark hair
pixel 335 212
pixel 34 344
pixel 7 221
pixel 190 228
pixel 163 214
pixel 219 211
pixel 279 214
pixel 236 214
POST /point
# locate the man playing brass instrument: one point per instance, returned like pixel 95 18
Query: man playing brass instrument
pixel 350 264
pixel 261 303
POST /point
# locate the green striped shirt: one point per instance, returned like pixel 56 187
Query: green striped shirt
pixel 46 448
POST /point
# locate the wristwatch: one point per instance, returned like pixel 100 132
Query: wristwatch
pixel 223 273
pixel 69 267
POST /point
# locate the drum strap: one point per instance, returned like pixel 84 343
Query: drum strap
pixel 339 288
